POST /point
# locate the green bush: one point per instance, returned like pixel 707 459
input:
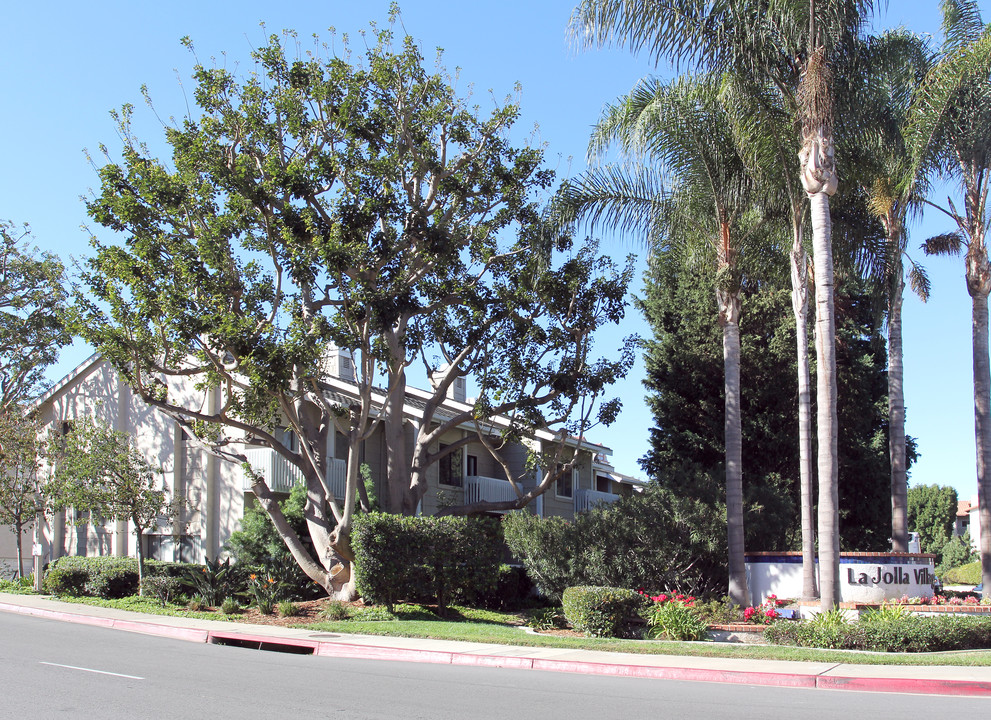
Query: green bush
pixel 258 545
pixel 287 608
pixel 969 574
pixel 108 577
pixel 601 611
pixel 513 589
pixel 163 587
pixel 335 610
pixel 958 551
pixel 674 621
pixel 425 559
pixel 651 539
pixel 65 580
pixel 911 633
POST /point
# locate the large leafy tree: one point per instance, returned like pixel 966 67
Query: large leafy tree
pixel 32 293
pixel 684 188
pixel 932 512
pixel 793 46
pixel 358 203
pixel 951 116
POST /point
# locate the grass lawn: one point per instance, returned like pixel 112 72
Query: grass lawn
pixel 486 626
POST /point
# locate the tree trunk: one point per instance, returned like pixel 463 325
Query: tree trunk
pixel 394 435
pixel 140 550
pixel 19 530
pixel 729 318
pixel 896 404
pixel 800 306
pixel 826 422
pixel 982 422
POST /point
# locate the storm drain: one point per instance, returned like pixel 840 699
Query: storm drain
pixel 256 644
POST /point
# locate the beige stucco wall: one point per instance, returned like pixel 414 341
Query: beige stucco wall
pixel 210 488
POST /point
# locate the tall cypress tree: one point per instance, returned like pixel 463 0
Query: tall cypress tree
pixel 684 382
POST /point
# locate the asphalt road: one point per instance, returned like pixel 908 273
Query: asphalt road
pixel 50 669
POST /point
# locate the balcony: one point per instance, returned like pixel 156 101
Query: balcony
pixel 283 475
pixel 587 499
pixel 486 489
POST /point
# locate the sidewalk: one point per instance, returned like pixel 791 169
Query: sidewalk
pixel 942 680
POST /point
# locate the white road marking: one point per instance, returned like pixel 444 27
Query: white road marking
pixel 101 672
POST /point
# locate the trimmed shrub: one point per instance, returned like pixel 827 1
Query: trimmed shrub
pixel 601 611
pixel 106 577
pixel 651 539
pixel 65 580
pixel 425 559
pixel 907 634
pixel 969 574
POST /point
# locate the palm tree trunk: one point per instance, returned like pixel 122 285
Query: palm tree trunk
pixel 729 317
pixel 896 407
pixel 826 422
pixel 800 306
pixel 982 422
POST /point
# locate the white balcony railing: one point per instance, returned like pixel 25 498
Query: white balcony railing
pixel 587 499
pixel 283 475
pixel 485 489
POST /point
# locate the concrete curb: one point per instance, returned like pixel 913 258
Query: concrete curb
pixel 446 657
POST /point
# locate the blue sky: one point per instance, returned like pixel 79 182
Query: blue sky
pixel 64 66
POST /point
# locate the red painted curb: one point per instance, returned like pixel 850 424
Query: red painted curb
pixel 906 685
pixel 58 615
pixel 673 673
pixel 499 661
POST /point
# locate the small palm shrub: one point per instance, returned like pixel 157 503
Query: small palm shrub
pixel 336 611
pixel 230 606
pixel 674 621
pixel 287 608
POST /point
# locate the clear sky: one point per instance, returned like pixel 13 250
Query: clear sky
pixel 64 66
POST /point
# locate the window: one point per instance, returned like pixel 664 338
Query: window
pixel 603 483
pixel 472 466
pixel 450 467
pixel 566 481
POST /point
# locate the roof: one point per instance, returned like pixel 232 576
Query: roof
pixel 344 392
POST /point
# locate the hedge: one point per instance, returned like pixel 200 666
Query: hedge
pixel 601 611
pixel 910 634
pixel 425 559
pixel 106 577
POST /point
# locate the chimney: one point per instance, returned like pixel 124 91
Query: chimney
pixel 457 389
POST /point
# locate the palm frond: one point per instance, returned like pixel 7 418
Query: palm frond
pixel 962 24
pixel 945 244
pixel 628 198
pixel 918 281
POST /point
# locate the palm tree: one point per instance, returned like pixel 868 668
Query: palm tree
pixel 764 126
pixel 952 115
pixel 689 192
pixel 791 44
pixel 894 66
